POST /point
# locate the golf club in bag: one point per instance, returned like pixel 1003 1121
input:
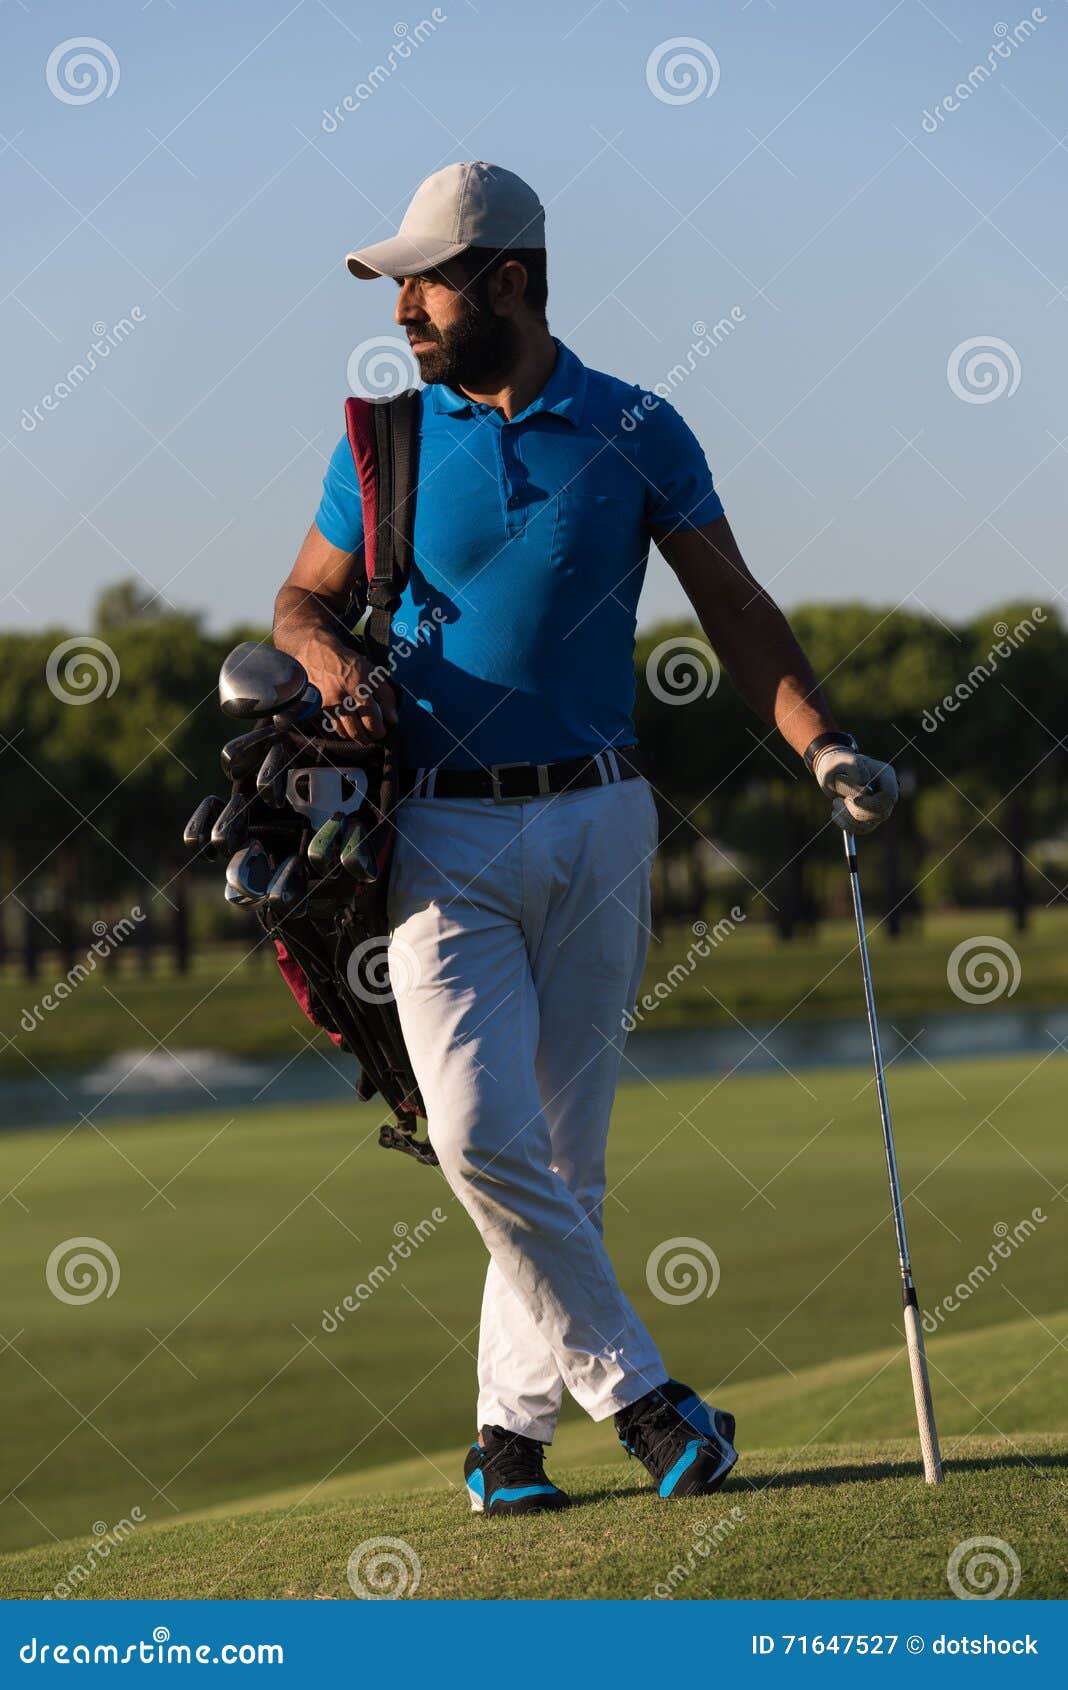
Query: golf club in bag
pixel 921 1384
pixel 307 833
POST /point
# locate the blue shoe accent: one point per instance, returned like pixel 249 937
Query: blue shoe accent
pixel 674 1474
pixel 519 1491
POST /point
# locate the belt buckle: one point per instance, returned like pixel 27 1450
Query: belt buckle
pixel 496 770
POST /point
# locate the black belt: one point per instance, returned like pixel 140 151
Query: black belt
pixel 507 782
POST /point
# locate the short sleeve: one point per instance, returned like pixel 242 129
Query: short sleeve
pixel 678 482
pixel 339 518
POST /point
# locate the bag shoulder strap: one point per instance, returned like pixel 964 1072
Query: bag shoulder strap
pixel 384 440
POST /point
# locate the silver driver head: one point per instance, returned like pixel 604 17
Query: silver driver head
pixel 257 680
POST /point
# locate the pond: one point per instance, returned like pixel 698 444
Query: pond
pixel 140 1083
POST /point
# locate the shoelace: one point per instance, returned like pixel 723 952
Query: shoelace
pixel 648 1436
pixel 515 1459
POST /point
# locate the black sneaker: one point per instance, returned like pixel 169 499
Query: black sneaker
pixel 505 1474
pixel 687 1446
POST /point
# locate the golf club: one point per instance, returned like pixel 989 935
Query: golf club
pixel 288 887
pixel 231 825
pixel 233 896
pixel 240 756
pixel 324 847
pixel 309 704
pixel 357 857
pixel 250 871
pixel 921 1384
pixel 271 779
pixel 257 680
pixel 198 828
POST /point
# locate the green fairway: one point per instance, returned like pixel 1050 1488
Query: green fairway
pixel 841 1521
pixel 816 1519
pixel 207 1382
pixel 235 1002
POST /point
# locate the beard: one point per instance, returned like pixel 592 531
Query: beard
pixel 474 352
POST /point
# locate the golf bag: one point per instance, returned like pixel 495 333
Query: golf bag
pixel 308 829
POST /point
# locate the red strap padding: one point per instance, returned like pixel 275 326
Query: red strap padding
pixel 359 425
pixel 297 981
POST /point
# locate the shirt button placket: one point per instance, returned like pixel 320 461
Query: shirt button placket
pixel 516 519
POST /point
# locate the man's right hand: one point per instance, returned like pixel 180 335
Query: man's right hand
pixel 308 623
pixel 358 701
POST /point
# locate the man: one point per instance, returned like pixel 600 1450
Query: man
pixel 519 901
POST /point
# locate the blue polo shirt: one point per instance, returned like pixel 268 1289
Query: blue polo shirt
pixel 514 641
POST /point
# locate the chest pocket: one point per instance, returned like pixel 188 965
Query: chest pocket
pixel 595 534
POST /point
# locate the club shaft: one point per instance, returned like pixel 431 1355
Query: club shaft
pixel 921 1385
pixel 877 1056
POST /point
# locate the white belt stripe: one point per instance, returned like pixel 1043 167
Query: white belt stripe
pixel 606 763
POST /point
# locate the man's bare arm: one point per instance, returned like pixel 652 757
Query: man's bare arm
pixel 308 624
pixel 749 632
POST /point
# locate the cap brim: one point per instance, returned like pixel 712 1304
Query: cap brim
pixel 402 256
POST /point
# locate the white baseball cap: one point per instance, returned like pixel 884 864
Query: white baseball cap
pixel 468 204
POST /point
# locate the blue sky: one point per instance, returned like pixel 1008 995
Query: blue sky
pixel 203 200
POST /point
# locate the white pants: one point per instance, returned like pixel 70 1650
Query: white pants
pixel 519 932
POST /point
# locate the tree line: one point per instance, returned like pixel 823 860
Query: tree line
pixel 110 738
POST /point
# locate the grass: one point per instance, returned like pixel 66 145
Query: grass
pixel 814 1520
pixel 206 1393
pixel 842 1521
pixel 239 1006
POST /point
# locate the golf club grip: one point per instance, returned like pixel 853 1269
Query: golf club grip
pixel 921 1388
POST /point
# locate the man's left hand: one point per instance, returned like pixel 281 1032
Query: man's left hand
pixel 864 791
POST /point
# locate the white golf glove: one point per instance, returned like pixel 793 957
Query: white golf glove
pixel 864 791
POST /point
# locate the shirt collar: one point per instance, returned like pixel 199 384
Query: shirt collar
pixel 563 394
